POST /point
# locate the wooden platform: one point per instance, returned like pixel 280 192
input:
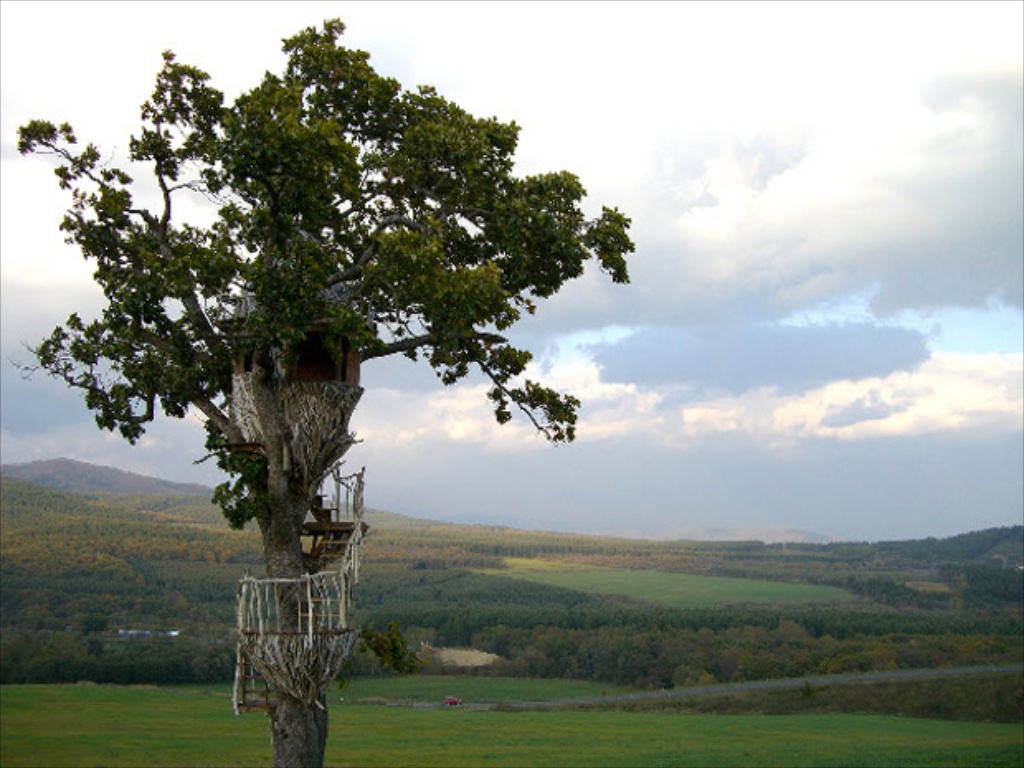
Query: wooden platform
pixel 329 539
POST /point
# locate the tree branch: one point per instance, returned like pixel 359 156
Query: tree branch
pixel 194 310
pixel 510 395
pixel 220 419
pixel 403 345
pixel 426 340
pixel 353 271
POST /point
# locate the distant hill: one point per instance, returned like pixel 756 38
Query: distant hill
pixel 82 477
pixel 993 546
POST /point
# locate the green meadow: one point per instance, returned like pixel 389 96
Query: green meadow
pixel 676 590
pixel 123 726
pixel 473 689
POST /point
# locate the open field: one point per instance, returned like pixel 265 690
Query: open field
pixel 473 689
pixel 676 590
pixel 118 726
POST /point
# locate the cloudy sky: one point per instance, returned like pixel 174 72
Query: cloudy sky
pixel 824 329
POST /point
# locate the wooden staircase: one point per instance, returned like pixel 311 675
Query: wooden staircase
pixel 328 541
pixel 336 519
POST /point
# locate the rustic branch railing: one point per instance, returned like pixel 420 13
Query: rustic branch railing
pixel 293 632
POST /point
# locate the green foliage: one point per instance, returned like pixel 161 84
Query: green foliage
pixel 390 648
pixel 65 658
pixel 994 546
pixel 684 653
pixel 985 587
pixel 243 496
pixel 390 217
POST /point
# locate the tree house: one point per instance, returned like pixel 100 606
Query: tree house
pixel 319 356
pixel 293 634
pixel 315 383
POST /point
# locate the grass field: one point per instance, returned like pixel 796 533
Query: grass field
pixel 115 726
pixel 433 688
pixel 677 590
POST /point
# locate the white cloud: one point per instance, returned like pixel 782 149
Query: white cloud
pixel 835 209
pixel 457 414
pixel 948 393
pixel 952 393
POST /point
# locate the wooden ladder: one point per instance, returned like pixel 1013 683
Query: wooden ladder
pixel 256 695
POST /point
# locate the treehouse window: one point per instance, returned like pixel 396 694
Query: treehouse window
pixel 315 361
pixel 243 363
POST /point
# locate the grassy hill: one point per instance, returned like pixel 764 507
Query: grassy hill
pixel 77 567
pixel 82 477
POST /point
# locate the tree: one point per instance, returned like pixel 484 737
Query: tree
pixel 353 220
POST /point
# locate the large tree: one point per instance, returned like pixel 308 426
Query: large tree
pixel 349 220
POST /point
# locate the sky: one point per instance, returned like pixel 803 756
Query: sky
pixel 824 328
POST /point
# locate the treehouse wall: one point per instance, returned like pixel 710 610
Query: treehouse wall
pixel 318 414
pixel 312 416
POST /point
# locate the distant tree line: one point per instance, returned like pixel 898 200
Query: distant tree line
pixel 654 659
pixel 71 657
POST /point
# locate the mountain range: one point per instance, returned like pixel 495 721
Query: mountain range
pixel 83 477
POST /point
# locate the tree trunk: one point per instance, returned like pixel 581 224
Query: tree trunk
pixel 299 733
pixel 298 730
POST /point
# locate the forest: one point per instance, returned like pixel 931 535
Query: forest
pixel 79 570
